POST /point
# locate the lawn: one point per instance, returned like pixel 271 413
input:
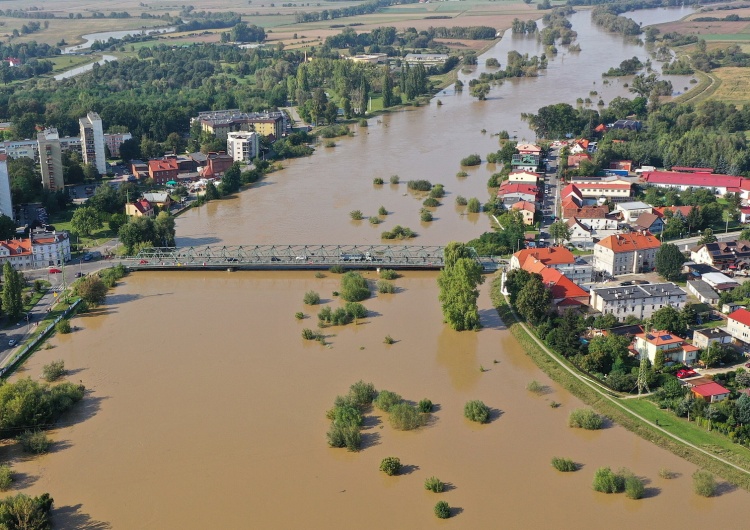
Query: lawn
pixel 61 221
pixel 66 62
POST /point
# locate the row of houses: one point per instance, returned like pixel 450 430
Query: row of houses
pixel 41 249
pixel 182 168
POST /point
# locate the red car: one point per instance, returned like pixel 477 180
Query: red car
pixel 143 262
pixel 52 270
pixel 682 374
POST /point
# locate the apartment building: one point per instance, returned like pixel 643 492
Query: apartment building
pixel 641 301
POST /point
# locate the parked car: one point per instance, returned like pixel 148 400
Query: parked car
pixel 80 274
pixel 682 374
pixel 625 284
pixel 12 342
pixel 53 270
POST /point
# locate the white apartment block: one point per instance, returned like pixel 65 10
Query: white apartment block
pixel 738 325
pixel 242 146
pixel 50 160
pixel 641 301
pixel 6 201
pixel 92 141
pixel 50 248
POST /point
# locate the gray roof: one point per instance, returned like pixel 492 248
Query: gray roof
pixel 634 205
pixel 703 289
pixel 711 333
pixel 639 291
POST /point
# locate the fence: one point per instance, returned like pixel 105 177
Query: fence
pixel 21 356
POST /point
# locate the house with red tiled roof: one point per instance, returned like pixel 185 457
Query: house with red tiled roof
pixel 738 325
pixel 631 253
pixel 17 252
pixel 163 170
pixel 139 208
pixel 674 348
pixel 559 258
pixel 512 192
pixel 681 211
pixel 598 215
pixel 572 191
pixel 565 292
pixel 529 149
pixel 720 184
pixel 527 209
pixel 576 159
pixel 745 214
pixel 600 129
pixel 711 392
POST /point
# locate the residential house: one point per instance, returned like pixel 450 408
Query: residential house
pixel 512 192
pixel 703 338
pixel 565 293
pixel 641 301
pixel 719 282
pixel 626 253
pixel 629 125
pixel 163 170
pixel 579 146
pixel 526 162
pixel 588 224
pixel 572 192
pixel 581 236
pixel 527 209
pixel 139 208
pixel 243 146
pixel 113 141
pixel 18 252
pixel 703 292
pixel 576 159
pixel 162 200
pixel 720 184
pixel 219 162
pixel 50 248
pixel 674 348
pixel 523 177
pixel 529 149
pixel 711 392
pixel 649 222
pixel 611 188
pixel 723 255
pixel 631 211
pixel 738 325
pixel 745 214
pixel 576 270
pixel 551 257
pixel 220 123
pixel 139 169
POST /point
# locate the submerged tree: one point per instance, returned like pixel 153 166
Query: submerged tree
pixel 458 283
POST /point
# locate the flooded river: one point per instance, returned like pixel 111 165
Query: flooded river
pixel 206 409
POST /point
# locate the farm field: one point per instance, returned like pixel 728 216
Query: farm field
pixel 734 85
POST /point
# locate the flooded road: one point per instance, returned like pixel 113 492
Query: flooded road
pixel 207 410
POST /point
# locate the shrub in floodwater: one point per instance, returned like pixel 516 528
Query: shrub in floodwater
pixel 395 179
pixel 387 399
pixel 377 181
pixel 563 464
pixel 585 419
pixel 419 185
pixel 356 215
pixel 362 122
pixel 382 211
pixel 473 206
pixel 362 394
pixel 354 287
pixel 388 274
pixel 320 275
pixel 425 406
pixel 434 485
pixel 405 417
pixel 437 191
pixel 666 473
pixel 309 334
pixel 462 174
pixel 54 370
pixel 388 339
pixel 461 201
pixel 345 414
pixel 471 160
pixel 634 488
pixel 430 202
pixel 63 327
pixel 330 143
pixel 355 309
pixel 385 287
pixel 477 411
pixel 607 481
pixel 442 510
pixel 35 442
pixel 425 216
pixel 399 232
pixel 536 387
pixel 390 465
pixel 311 298
pixel 347 436
pixel 299 315
pixel 704 483
pixel 375 220
pixel 336 269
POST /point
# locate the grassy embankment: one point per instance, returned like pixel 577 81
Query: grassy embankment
pixel 621 411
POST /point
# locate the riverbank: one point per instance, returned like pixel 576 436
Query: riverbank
pixel 708 450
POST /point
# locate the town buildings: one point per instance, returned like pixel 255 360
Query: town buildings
pixel 723 255
pixel 113 142
pixel 139 208
pixel 6 199
pixel 560 258
pixel 720 184
pixel 640 301
pixel 703 338
pixel 738 325
pixel 40 249
pixel 626 253
pixel 92 142
pixel 220 123
pixel 527 209
pixel 50 160
pixel 674 348
pixel 631 211
pixel 242 146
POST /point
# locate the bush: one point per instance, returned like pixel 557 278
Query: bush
pixel 431 202
pixel 390 465
pixel 63 327
pixel 405 417
pixel 345 413
pixel 35 442
pixel 437 191
pixel 336 269
pixel 355 309
pixel 344 436
pixel 704 483
pixel 385 287
pixel 419 185
pixel 6 477
pixel 299 315
pixel 387 399
pixel 434 485
pixel 442 510
pixel 634 488
pixel 425 406
pixel 377 181
pixel 356 215
pixel 388 339
pixel 395 179
pixel 473 206
pixel 398 232
pixel 54 370
pixel 375 220
pixel 382 211
pixel 388 274
pixel 311 298
pixel 477 411
pixel 492 62
pixel 309 334
pixel 362 394
pixel 330 143
pixel 362 122
pixel 563 464
pixel 607 481
pixel 320 275
pixel 585 419
pixel 536 387
pixel 38 286
pixel 354 287
pixel 666 473
pixel 471 160
pixel 461 201
pixel 462 174
pixel 425 216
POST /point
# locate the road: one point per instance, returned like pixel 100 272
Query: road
pixel 551 196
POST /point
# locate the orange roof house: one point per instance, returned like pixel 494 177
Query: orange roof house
pixel 565 292
pixel 551 256
pixel 630 242
pixel 527 209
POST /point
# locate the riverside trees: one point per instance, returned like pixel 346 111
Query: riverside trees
pixel 458 283
pixel 12 288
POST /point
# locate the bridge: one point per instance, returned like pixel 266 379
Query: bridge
pixel 296 257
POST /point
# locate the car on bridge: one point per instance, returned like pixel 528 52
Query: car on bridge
pixel 301 258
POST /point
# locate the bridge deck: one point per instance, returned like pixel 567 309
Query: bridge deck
pixel 295 257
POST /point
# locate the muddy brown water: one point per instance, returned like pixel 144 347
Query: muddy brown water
pixel 207 410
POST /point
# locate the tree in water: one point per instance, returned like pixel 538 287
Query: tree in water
pixel 458 283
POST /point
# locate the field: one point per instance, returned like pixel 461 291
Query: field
pixel 734 85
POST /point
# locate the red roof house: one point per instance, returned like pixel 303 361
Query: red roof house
pixel 548 256
pixel 711 392
pixel 576 159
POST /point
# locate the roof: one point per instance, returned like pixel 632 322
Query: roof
pixel 571 189
pixel 741 315
pixel 585 212
pixel 646 220
pixel 684 169
pixel 633 205
pixel 573 221
pixel 533 265
pixel 142 205
pixel 710 389
pixel 630 242
pixel 548 256
pixel 517 187
pixel 604 186
pixel 524 205
pixel 578 157
pixel 17 247
pixel 701 180
pixel 156 197
pixel 717 278
pixel 561 286
pixel 528 148
pixel 638 291
pixel 660 337
pixel 703 289
pixel 682 210
pixel 162 165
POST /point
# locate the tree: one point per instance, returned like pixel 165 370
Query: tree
pixel 712 355
pixel 743 409
pixel 565 337
pixel 12 292
pixel 560 232
pixel 164 229
pixel 707 237
pixel 669 319
pixel 669 262
pixel 107 199
pixel 744 235
pixel 388 99
pixel 514 282
pixel 231 181
pixel 534 300
pixel 694 219
pixel 211 192
pixel 116 221
pixel 7 228
pixel 659 360
pixel 92 290
pixel 90 172
pixel 85 220
pixel 458 283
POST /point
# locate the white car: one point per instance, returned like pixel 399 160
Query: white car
pixel 12 342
